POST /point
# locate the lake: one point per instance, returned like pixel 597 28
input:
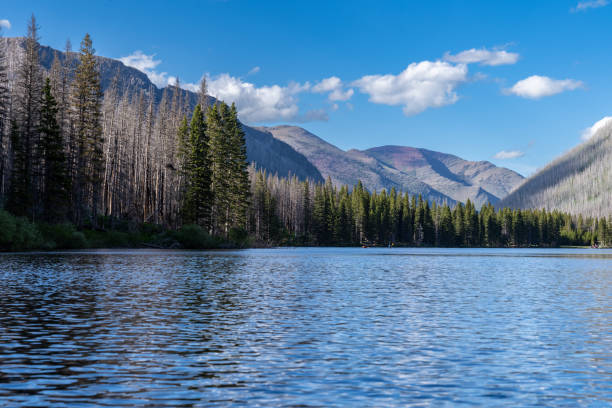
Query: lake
pixel 307 327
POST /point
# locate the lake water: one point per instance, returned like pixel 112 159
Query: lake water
pixel 307 327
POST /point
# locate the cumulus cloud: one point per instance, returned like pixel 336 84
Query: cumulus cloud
pixel 147 64
pixel 536 86
pixel 5 24
pixel 484 57
pixel 508 154
pixel 590 131
pixel 420 86
pixel 585 5
pixel 335 87
pixel 262 104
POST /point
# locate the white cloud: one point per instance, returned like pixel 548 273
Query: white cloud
pixel 536 86
pixel 263 104
pixel 484 57
pixel 335 87
pixel 508 154
pixel 585 5
pixel 5 24
pixel 254 70
pixel 420 86
pixel 590 131
pixel 147 64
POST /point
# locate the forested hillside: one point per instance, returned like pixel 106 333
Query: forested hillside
pixel 579 182
pixel 78 156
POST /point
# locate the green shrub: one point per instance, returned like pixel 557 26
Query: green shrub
pixel 26 236
pixel 63 236
pixel 194 237
pixel 239 236
pixel 107 239
pixel 7 229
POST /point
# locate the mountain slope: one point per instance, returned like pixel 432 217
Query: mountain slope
pixel 578 182
pixel 437 176
pixel 263 149
pixel 481 181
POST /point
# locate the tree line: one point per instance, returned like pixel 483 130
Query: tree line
pixel 291 211
pixel 72 153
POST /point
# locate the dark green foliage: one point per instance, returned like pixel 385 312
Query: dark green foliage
pixel 20 194
pixel 195 237
pixel 230 184
pixel 87 101
pixel 17 233
pixel 55 177
pixel 63 236
pixel 343 217
pixel 239 173
pixel 239 236
pixel 198 195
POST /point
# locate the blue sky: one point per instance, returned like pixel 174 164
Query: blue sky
pixel 513 82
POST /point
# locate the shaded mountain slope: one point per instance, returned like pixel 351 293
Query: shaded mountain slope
pixel 578 182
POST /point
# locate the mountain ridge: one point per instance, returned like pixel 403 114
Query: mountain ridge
pixel 439 176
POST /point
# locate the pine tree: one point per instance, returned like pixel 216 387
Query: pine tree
pixel 446 228
pixel 239 174
pixel 219 153
pixel 55 188
pixel 198 196
pixel 87 111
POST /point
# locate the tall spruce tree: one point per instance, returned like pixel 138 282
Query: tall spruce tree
pixel 239 173
pixel 87 111
pixel 218 122
pixel 56 183
pixel 198 197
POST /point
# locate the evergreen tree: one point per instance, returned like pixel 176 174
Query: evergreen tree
pixel 198 196
pixel 239 174
pixel 447 228
pixel 220 164
pixel 87 111
pixel 56 183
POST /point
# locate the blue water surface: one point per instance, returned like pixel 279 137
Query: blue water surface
pixel 307 327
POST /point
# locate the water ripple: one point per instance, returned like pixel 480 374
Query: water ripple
pixel 306 327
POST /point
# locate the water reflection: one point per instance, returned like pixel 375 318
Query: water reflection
pixel 306 326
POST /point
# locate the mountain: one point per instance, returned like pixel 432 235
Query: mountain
pixel 578 182
pixel 291 150
pixel 267 152
pixel 437 176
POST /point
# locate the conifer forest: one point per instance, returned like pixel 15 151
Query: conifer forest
pixel 72 154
